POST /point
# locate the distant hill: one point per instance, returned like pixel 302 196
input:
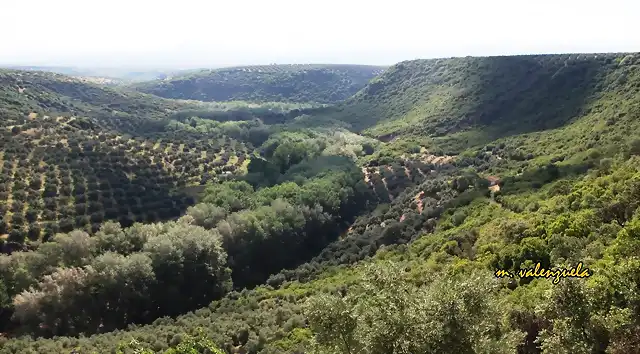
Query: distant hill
pixel 25 92
pixel 265 83
pixel 108 76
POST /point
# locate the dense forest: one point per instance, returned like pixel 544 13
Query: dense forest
pixel 266 83
pixel 375 225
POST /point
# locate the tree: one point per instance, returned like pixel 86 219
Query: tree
pixel 60 288
pixel 3 227
pixel 34 232
pixel 634 147
pixel 232 196
pixel 333 322
pixel 131 277
pixel 188 345
pixel 387 314
pixel 206 215
pixel 6 306
pixel 54 303
pixel 31 215
pixel 573 328
pixel 66 225
pixel 17 235
pixel 190 264
pixel 368 149
pixel 74 249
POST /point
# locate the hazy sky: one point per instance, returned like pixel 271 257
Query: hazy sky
pixel 211 33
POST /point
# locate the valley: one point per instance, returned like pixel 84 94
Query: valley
pixel 323 208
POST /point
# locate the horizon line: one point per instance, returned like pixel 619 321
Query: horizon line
pixel 151 67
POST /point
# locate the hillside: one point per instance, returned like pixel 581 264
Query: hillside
pixel 24 92
pixel 483 98
pixel 73 154
pixel 108 76
pixel 383 239
pixel 267 83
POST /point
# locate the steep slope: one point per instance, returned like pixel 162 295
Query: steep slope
pixel 293 83
pixel 492 96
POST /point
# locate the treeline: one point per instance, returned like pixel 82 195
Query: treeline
pixel 81 284
pixel 321 84
pixel 290 222
pixel 77 284
pixel 252 124
pixel 389 312
pixel 268 112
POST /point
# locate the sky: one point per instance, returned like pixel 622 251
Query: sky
pixel 215 33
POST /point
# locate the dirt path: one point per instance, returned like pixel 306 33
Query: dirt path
pixel 384 182
pixel 367 177
pixel 418 199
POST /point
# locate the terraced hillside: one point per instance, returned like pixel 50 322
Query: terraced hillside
pixel 267 83
pixel 24 92
pixel 61 173
pixel 74 154
pixel 337 242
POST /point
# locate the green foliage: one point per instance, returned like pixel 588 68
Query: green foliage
pixel 391 315
pixel 358 251
pixel 110 154
pixel 106 76
pixel 293 83
pixel 188 345
pixel 168 262
pixel 466 102
pixel 634 147
pixel 231 196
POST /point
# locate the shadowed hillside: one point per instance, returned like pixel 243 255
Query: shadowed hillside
pixel 293 83
pixel 497 95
